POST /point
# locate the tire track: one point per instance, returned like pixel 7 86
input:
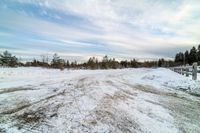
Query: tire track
pixel 3 91
pixel 11 111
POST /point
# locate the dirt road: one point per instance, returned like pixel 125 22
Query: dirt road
pixel 98 103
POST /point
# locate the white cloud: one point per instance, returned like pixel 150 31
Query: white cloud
pixel 125 25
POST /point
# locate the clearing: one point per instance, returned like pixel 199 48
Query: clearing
pixel 122 101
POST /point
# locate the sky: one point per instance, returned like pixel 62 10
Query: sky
pixel 78 29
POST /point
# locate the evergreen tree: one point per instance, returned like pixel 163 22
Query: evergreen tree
pixel 192 55
pixel 67 64
pixel 97 63
pixel 179 58
pixel 1 62
pixel 92 63
pixel 74 64
pixel 134 63
pixel 114 64
pixel 105 62
pixel 8 60
pixel 159 63
pixel 198 54
pixel 124 64
pixel 13 61
pixel 186 57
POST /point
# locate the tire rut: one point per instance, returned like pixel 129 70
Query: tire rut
pixel 12 111
pixel 107 113
pixel 15 89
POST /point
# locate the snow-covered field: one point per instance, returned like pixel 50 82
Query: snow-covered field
pixel 127 100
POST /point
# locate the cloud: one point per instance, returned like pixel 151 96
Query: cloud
pixel 121 28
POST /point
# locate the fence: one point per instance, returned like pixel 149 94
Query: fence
pixel 188 70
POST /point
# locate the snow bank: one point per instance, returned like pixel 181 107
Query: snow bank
pixel 168 78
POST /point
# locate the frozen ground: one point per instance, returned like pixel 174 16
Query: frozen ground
pixel 129 100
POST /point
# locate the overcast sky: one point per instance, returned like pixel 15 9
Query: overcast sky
pixel 78 29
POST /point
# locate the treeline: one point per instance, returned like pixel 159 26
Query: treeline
pixel 7 60
pixel 188 57
pixel 181 58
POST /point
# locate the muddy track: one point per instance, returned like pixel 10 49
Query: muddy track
pixel 156 91
pixel 116 119
pixel 3 91
pixel 12 111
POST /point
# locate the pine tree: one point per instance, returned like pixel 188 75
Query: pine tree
pixel 1 62
pixel 134 63
pixel 179 58
pixel 114 64
pixel 67 64
pixel 97 63
pixel 124 64
pixel 198 54
pixel 193 55
pixel 92 63
pixel 105 62
pixel 186 57
pixel 8 60
pixel 13 61
pixel 162 63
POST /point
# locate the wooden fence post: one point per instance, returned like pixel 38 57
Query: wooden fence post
pixel 194 71
pixel 187 70
pixel 182 70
